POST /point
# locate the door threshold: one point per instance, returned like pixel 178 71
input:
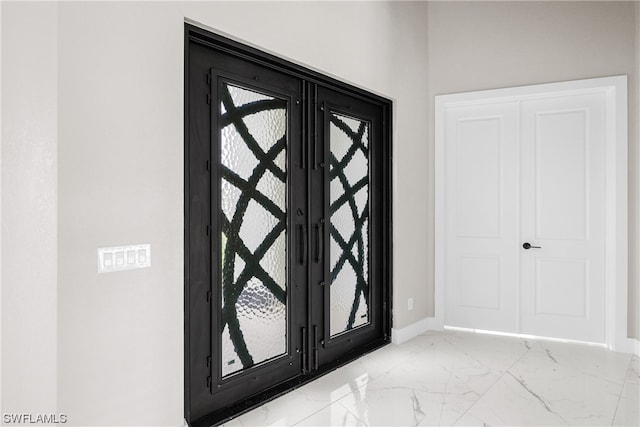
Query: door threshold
pixel 524 336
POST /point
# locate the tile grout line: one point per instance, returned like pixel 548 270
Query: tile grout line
pixel 624 383
pixel 496 381
pixel 351 412
pixel 312 414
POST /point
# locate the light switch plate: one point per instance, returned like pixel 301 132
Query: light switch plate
pixel 121 258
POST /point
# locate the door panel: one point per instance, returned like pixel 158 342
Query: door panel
pixel 350 195
pixel 556 277
pixel 244 151
pixel 563 188
pixel 253 135
pixel 481 270
pixel 480 196
pixel 348 222
pixel 561 173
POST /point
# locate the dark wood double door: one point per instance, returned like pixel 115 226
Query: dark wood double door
pixel 287 225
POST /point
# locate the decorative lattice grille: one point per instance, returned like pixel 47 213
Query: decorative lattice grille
pixel 253 227
pixel 349 210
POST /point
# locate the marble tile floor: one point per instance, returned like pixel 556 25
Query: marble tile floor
pixel 455 378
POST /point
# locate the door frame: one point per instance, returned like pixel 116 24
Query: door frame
pixel 616 195
pixel 198 410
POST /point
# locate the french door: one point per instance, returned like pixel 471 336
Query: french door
pixel 525 228
pixel 348 221
pixel 287 225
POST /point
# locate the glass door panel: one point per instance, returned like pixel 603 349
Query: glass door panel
pixel 247 287
pixel 253 194
pixel 348 222
pixel 347 205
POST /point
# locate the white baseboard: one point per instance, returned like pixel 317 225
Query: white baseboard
pixel 629 345
pixel 401 335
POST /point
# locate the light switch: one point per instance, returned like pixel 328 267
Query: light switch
pixel 142 255
pixel 108 259
pixel 120 258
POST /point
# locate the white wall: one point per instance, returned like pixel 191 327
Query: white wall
pixel 29 207
pixel 486 45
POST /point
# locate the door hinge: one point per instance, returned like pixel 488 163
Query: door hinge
pixel 209 383
pixel 209 230
pixel 208 165
pixel 209 300
pixel 208 361
pixel 209 78
pixel 209 99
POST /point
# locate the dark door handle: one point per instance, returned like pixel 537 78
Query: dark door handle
pixel 528 245
pixel 302 241
pixel 319 239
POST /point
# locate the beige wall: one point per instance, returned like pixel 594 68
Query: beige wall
pixel 487 45
pixel 412 248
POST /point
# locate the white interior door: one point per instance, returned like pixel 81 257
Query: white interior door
pixel 526 171
pixel 563 212
pixel 481 199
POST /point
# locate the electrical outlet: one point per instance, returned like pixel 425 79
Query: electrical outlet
pixel 410 303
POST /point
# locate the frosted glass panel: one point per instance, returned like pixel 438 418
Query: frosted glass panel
pixel 349 209
pixel 253 219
